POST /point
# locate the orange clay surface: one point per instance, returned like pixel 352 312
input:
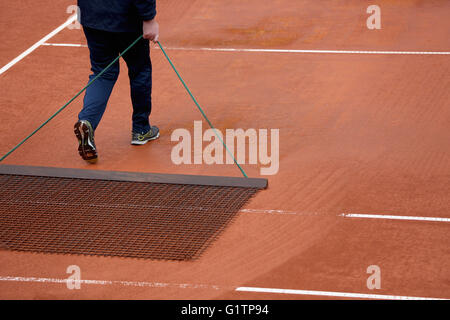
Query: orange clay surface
pixel 359 133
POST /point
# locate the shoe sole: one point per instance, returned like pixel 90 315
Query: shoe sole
pixel 86 150
pixel 140 143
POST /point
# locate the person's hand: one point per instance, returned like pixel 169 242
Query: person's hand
pixel 151 30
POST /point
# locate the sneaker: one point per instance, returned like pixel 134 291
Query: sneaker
pixel 86 145
pixel 140 139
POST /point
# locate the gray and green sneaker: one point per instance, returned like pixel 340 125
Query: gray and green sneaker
pixel 140 139
pixel 86 145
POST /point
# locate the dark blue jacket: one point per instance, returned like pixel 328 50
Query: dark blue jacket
pixel 116 15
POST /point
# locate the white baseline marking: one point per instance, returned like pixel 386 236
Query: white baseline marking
pixel 332 294
pixel 110 282
pixel 205 286
pixel 281 50
pixel 38 44
pixel 390 217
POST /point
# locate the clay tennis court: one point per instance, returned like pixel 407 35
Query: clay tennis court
pixel 364 154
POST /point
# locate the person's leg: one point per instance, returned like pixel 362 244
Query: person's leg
pixel 140 74
pixel 103 51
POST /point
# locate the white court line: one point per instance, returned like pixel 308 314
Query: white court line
pixel 280 50
pixel 332 294
pixel 203 286
pixel 38 44
pixel 391 217
pixel 270 211
pixel 348 215
pixel 113 282
pixel 313 51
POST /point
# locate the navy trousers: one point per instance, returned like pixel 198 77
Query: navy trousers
pixel 104 47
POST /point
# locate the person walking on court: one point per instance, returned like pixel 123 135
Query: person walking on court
pixel 110 26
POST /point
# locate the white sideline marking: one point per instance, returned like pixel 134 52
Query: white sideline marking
pixel 332 294
pixel 38 44
pixel 280 50
pixel 110 282
pixel 390 217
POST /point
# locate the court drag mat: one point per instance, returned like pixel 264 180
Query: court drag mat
pixel 123 214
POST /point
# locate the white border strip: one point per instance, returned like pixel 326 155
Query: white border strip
pixel 332 294
pixel 38 44
pixel 390 217
pixel 279 50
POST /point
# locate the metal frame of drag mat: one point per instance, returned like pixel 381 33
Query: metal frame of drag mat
pixel 219 181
